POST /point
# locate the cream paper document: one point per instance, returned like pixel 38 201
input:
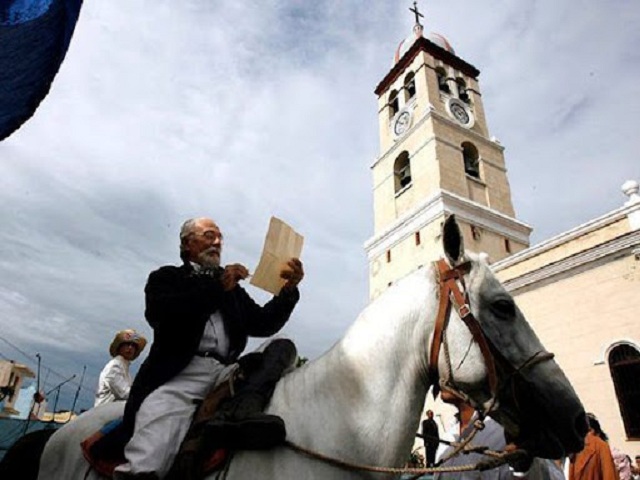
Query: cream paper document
pixel 281 244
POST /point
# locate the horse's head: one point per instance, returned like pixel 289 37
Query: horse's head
pixel 521 386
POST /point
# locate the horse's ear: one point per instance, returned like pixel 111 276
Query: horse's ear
pixel 452 240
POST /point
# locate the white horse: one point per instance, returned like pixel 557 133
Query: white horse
pixel 361 401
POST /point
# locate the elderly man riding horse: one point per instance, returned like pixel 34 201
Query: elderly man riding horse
pixel 360 402
pixel 201 319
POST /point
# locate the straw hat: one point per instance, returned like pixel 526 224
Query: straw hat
pixel 127 336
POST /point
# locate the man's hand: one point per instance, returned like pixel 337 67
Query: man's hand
pixel 292 273
pixel 232 275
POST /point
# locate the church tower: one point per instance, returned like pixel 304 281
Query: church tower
pixel 436 158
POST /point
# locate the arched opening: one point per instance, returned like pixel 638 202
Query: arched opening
pixel 410 86
pixel 442 80
pixel 471 160
pixel 402 171
pixel 394 104
pixel 624 365
pixel 462 90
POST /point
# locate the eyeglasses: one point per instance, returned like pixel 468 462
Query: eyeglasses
pixel 211 235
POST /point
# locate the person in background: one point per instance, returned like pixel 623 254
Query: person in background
pixel 492 436
pixel 635 469
pixel 595 461
pixel 430 437
pixel 115 380
pixel 622 462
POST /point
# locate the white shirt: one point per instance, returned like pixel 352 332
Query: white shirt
pixel 114 382
pixel 214 338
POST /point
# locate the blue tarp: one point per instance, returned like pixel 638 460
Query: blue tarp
pixel 34 38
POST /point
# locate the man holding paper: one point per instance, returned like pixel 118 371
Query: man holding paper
pixel 201 319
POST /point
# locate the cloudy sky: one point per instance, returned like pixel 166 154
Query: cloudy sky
pixel 165 110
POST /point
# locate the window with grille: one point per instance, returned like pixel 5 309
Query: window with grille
pixel 624 364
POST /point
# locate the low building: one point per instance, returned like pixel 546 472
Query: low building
pixel 580 290
pixel 11 377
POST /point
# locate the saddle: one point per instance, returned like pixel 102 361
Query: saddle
pixel 192 461
pixel 229 418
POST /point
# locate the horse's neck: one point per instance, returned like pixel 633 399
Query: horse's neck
pixel 363 399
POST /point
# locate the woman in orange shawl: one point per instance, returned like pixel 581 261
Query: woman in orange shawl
pixel 594 462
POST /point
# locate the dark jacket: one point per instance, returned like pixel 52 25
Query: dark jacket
pixel 430 432
pixel 178 303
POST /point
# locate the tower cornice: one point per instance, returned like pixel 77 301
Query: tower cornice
pixel 422 44
pixel 446 203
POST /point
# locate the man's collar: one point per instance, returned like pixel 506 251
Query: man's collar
pixel 197 269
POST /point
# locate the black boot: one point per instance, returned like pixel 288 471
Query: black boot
pixel 240 422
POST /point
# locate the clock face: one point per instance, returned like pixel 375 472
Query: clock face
pixel 402 123
pixel 460 112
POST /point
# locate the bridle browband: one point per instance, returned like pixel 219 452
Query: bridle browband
pixel 450 279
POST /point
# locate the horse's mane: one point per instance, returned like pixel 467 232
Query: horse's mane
pixel 394 313
pixel 404 298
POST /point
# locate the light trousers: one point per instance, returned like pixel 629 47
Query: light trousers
pixel 165 415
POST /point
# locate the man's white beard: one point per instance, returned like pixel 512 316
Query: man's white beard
pixel 208 259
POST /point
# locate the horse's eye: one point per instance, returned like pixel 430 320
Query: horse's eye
pixel 504 308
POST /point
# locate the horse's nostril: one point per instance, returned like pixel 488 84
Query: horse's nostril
pixel 581 425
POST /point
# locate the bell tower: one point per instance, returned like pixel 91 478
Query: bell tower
pixel 436 158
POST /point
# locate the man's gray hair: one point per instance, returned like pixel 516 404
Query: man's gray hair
pixel 187 229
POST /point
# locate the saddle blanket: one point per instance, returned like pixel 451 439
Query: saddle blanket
pixel 106 467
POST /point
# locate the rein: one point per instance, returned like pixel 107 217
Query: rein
pixel 413 471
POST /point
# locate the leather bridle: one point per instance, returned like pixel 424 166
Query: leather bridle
pixel 453 293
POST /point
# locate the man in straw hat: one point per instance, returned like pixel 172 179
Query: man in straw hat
pixel 201 319
pixel 115 381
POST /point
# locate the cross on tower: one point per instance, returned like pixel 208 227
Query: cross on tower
pixel 418 14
